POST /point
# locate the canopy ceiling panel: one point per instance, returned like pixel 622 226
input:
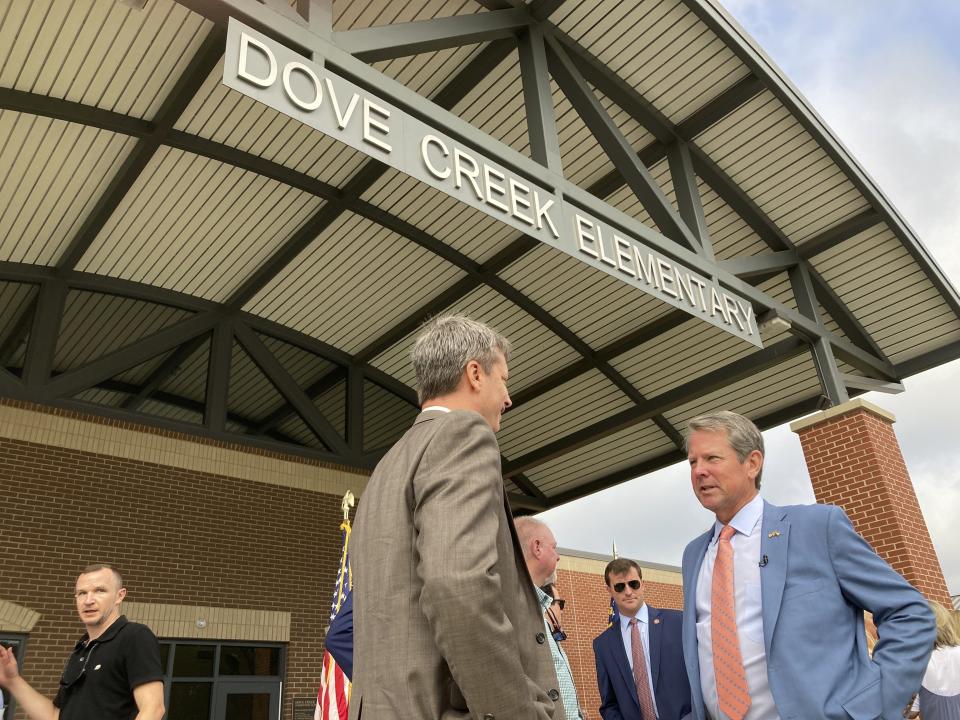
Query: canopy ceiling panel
pixel 730 235
pixel 595 306
pixel 332 403
pixel 885 288
pixel 495 105
pixel 173 252
pixel 95 324
pixel 764 393
pixel 537 352
pixel 232 119
pixel 635 444
pixel 101 54
pixel 349 15
pixel 668 54
pixel 626 201
pixel 51 174
pixel 303 366
pixel 241 216
pixel 561 411
pixel 473 233
pixel 252 394
pixel 355 269
pixel 387 417
pixel 189 380
pixel 15 299
pixel 768 153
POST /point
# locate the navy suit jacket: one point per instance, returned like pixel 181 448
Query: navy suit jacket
pixel 671 689
pixel 818 578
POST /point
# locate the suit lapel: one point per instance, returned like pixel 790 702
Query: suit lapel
pixel 616 649
pixel 774 542
pixel 654 629
pixel 692 560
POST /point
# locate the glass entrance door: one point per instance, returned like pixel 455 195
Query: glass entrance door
pixel 247 700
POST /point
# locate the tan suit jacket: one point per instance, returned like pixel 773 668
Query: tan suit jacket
pixel 446 620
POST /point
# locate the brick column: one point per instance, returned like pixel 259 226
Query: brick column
pixel 854 461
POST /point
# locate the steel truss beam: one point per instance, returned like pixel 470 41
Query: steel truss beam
pixel 718 22
pixel 208 323
pixel 385 42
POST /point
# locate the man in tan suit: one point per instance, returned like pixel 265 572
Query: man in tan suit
pixel 446 619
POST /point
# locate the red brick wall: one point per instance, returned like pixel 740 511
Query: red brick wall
pixel 854 461
pixel 585 617
pixel 178 536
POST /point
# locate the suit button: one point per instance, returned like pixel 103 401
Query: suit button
pixel 553 695
pixel 541 638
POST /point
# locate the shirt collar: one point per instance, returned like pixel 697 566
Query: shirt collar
pixel 438 408
pixel 642 616
pixel 744 522
pixel 545 600
pixel 115 627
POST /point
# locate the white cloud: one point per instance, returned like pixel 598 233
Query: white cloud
pixel 883 75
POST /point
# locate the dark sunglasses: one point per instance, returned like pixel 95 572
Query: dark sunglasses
pixel 559 601
pixel 621 586
pixel 72 675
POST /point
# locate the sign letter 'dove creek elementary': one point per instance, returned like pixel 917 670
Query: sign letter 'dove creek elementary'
pixel 274 75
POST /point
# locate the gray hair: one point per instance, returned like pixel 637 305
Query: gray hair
pixel 444 347
pixel 744 437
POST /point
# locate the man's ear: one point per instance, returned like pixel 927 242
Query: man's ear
pixel 474 374
pixel 121 594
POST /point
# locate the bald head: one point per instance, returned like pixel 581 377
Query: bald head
pixel 539 548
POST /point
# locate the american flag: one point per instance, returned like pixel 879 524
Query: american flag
pixel 333 700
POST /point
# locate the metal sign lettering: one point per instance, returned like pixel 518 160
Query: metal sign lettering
pixel 276 76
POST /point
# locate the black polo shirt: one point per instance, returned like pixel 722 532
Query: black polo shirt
pixel 98 681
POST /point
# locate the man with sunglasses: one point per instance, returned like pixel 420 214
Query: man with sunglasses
pixel 114 671
pixel 640 669
pixel 540 554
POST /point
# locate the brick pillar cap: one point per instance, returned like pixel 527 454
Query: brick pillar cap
pixel 842 409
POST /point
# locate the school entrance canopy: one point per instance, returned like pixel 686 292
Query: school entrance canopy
pixel 232 228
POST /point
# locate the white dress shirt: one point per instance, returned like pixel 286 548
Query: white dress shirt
pixel 643 625
pixel 746 581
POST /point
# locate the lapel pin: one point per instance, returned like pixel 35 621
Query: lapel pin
pixel 656 621
pixel 97 667
pixel 773 534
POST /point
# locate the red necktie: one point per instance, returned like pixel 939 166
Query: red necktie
pixel 732 690
pixel 647 709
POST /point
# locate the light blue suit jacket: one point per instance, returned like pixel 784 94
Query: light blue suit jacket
pixel 818 578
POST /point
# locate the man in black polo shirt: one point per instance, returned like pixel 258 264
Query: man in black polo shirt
pixel 114 671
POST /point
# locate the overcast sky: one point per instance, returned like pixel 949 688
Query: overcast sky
pixel 884 75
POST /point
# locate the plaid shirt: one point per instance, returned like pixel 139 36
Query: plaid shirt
pixel 568 693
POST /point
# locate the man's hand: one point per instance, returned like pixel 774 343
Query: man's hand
pixel 8 666
pixel 35 705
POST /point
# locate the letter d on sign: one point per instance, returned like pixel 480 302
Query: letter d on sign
pixel 245 42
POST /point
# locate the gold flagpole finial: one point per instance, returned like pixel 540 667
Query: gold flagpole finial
pixel 615 554
pixel 348 502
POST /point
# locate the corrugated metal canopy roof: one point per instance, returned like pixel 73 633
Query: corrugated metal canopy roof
pixel 174 252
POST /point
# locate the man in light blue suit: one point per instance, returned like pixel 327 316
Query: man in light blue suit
pixel 801 580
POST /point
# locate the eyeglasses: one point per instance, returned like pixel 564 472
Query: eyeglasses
pixel 559 602
pixel 71 678
pixel 621 586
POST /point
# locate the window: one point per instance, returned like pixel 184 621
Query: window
pixel 209 681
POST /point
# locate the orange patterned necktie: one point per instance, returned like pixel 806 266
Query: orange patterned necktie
pixel 732 693
pixel 647 710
